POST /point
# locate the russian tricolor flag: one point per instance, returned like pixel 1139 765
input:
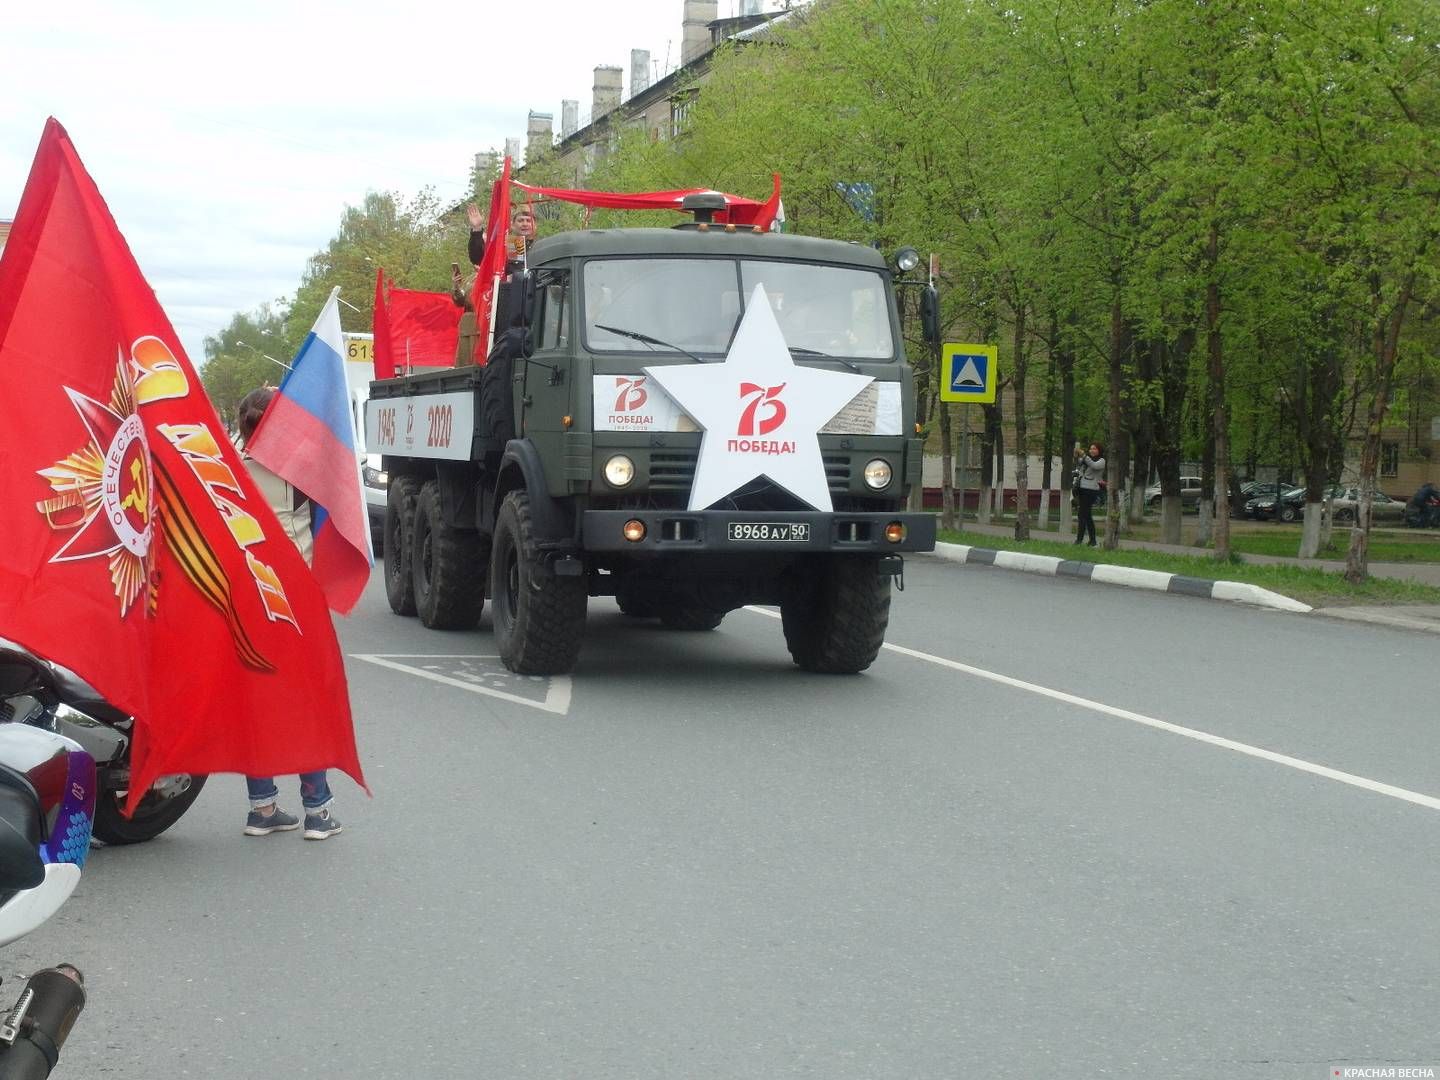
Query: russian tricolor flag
pixel 307 438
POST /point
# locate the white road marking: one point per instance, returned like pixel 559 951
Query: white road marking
pixel 557 694
pixel 1404 794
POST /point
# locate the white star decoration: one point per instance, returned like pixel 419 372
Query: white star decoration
pixel 761 413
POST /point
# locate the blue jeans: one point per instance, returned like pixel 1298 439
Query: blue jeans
pixel 314 790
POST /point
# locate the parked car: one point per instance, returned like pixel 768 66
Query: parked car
pixel 1262 507
pixel 1382 507
pixel 1189 494
pixel 1250 489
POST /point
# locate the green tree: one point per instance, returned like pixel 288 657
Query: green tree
pixel 410 239
pixel 236 358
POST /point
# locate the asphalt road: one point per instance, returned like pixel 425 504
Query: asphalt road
pixel 985 857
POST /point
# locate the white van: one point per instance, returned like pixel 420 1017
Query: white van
pixel 358 372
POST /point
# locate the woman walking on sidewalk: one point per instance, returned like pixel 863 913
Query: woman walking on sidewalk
pixel 1090 481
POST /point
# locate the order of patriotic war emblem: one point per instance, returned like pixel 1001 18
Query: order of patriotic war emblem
pixel 110 494
pixel 102 492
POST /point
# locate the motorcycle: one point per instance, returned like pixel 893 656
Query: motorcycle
pixel 1423 509
pixel 40 694
pixel 47 807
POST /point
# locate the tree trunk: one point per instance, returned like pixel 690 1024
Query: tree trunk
pixel 1148 362
pixel 996 416
pixel 1067 435
pixel 1022 441
pixel 1113 472
pixel 1047 469
pixel 1310 530
pixel 1174 373
pixel 1386 345
pixel 1318 383
pixel 1216 355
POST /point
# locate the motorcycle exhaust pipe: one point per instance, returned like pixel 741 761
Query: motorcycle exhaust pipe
pixel 36 1028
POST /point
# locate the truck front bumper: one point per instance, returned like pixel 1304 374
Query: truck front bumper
pixel 751 532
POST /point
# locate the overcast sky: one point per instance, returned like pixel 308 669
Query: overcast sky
pixel 228 141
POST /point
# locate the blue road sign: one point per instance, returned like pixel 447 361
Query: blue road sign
pixel 968 372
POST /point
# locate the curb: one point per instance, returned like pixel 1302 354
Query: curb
pixel 1375 618
pixel 1155 580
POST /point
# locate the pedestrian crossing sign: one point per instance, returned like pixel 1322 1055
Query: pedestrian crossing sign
pixel 968 373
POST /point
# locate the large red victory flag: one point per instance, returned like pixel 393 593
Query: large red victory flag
pixel 137 551
pixel 492 266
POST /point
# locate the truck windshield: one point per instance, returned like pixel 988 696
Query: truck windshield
pixel 697 304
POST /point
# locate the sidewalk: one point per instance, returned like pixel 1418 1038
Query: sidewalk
pixel 1409 616
pixel 1425 573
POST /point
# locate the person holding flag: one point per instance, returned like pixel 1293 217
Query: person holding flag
pixel 292 508
pixel 300 447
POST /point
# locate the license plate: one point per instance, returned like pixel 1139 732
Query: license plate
pixel 770 532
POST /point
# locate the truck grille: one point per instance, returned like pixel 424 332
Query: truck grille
pixel 674 470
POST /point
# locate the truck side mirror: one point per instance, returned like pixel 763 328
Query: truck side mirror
pixel 930 315
pixel 527 298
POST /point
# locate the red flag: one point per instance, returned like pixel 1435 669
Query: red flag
pixel 492 266
pixel 384 358
pixel 424 328
pixel 738 209
pixel 138 552
pixel 413 328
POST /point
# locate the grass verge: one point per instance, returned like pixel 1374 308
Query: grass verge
pixel 1382 548
pixel 1318 588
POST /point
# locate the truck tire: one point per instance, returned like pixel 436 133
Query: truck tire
pixel 399 516
pixel 539 618
pixel 691 618
pixel 447 567
pixel 835 621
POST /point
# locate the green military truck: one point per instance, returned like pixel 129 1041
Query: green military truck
pixel 700 418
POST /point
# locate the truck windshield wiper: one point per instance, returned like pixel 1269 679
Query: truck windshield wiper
pixel 801 351
pixel 635 335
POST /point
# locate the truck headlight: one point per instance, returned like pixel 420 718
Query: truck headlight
pixel 619 471
pixel 375 478
pixel 878 474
